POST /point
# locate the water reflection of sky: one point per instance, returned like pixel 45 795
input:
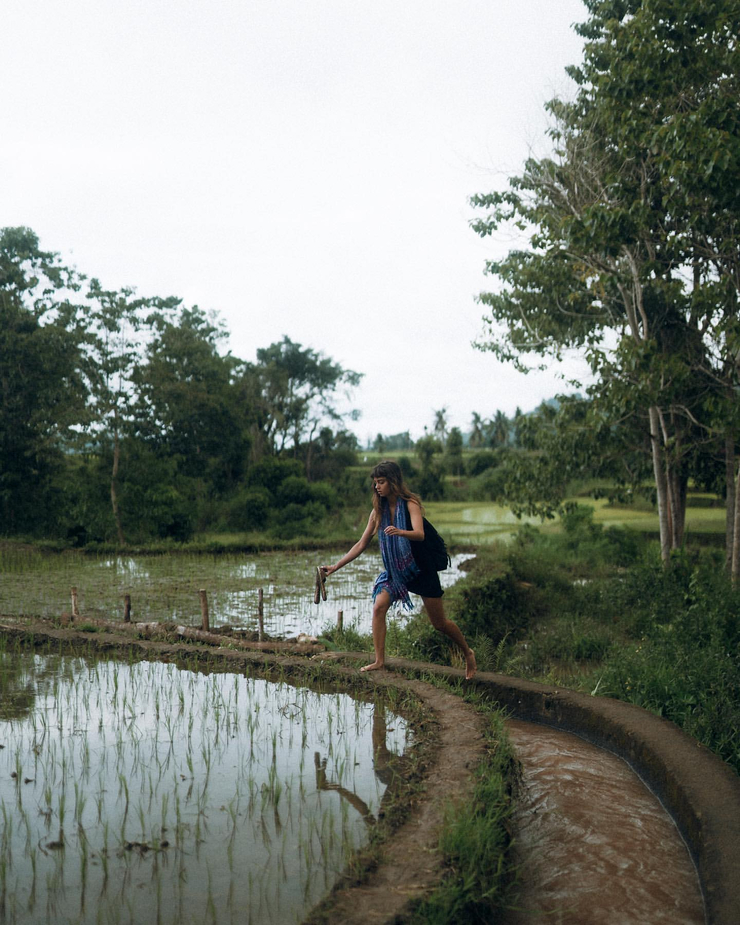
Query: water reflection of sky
pixel 261 790
pixel 166 588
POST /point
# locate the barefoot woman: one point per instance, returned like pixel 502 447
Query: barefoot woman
pixel 394 508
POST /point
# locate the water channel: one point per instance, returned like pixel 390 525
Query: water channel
pixel 594 845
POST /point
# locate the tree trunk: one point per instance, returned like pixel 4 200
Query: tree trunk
pixel 660 483
pixel 735 569
pixel 730 526
pixel 113 485
pixel 677 505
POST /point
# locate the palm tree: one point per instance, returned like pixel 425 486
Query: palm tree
pixel 476 433
pixel 440 425
pixel 499 429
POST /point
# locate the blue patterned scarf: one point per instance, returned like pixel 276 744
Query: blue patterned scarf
pixel 400 567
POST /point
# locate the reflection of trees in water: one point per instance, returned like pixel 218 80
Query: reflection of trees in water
pixel 385 765
pixel 17 688
pixel 22 676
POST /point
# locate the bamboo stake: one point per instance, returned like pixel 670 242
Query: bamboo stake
pixel 126 608
pixel 75 608
pixel 205 622
pixel 261 613
pixel 340 620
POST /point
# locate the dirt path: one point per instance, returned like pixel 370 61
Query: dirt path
pixel 411 864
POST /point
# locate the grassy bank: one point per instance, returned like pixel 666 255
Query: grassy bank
pixel 475 839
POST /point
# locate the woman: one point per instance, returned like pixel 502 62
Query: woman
pixel 397 519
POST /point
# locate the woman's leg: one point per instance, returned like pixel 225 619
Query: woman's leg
pixel 435 609
pixel 380 609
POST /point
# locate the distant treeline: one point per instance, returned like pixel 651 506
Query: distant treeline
pixel 121 420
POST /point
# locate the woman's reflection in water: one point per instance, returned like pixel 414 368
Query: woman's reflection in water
pixel 383 760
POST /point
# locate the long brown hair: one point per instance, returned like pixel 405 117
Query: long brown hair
pixel 390 470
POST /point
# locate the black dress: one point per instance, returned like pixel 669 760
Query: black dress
pixel 426 583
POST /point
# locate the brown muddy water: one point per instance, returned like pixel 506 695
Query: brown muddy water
pixel 594 846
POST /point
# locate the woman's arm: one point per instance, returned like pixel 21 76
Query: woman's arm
pixel 417 524
pixel 359 547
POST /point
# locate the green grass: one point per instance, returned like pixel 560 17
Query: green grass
pixel 483 522
pixel 475 841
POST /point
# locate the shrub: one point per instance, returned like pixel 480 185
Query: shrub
pixel 325 495
pixel 271 471
pixel 481 461
pixel 295 489
pixel 249 509
pixel 297 520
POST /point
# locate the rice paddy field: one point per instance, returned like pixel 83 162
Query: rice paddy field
pixel 484 522
pixel 166 588
pixel 148 792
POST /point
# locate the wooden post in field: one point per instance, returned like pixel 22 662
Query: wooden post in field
pixel 75 608
pixel 126 608
pixel 261 613
pixel 340 621
pixel 205 623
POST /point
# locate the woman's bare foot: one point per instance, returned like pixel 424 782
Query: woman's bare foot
pixel 470 665
pixel 374 667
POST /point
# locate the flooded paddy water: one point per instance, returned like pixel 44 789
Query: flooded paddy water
pixel 166 588
pixel 145 792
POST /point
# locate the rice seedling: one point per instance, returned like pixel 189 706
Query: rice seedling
pixel 193 793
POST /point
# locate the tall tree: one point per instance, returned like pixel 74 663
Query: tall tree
pixel 190 398
pixel 440 425
pixel 301 389
pixel 42 396
pixel 454 452
pixel 476 431
pixel 115 321
pixel 614 259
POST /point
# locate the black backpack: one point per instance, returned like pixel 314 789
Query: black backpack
pixel 431 552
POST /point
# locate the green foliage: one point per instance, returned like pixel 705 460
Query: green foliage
pixel 682 657
pixel 299 388
pixel 480 462
pixel 249 509
pixel 122 418
pixel 346 640
pixel 42 394
pixel 475 843
pixel 270 472
pixel 155 500
pixel 297 520
pixel 666 639
pixel 430 483
pixel 454 452
pixel 633 254
pixel 491 604
pixel 294 490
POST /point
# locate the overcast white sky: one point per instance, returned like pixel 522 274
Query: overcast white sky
pixel 302 167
